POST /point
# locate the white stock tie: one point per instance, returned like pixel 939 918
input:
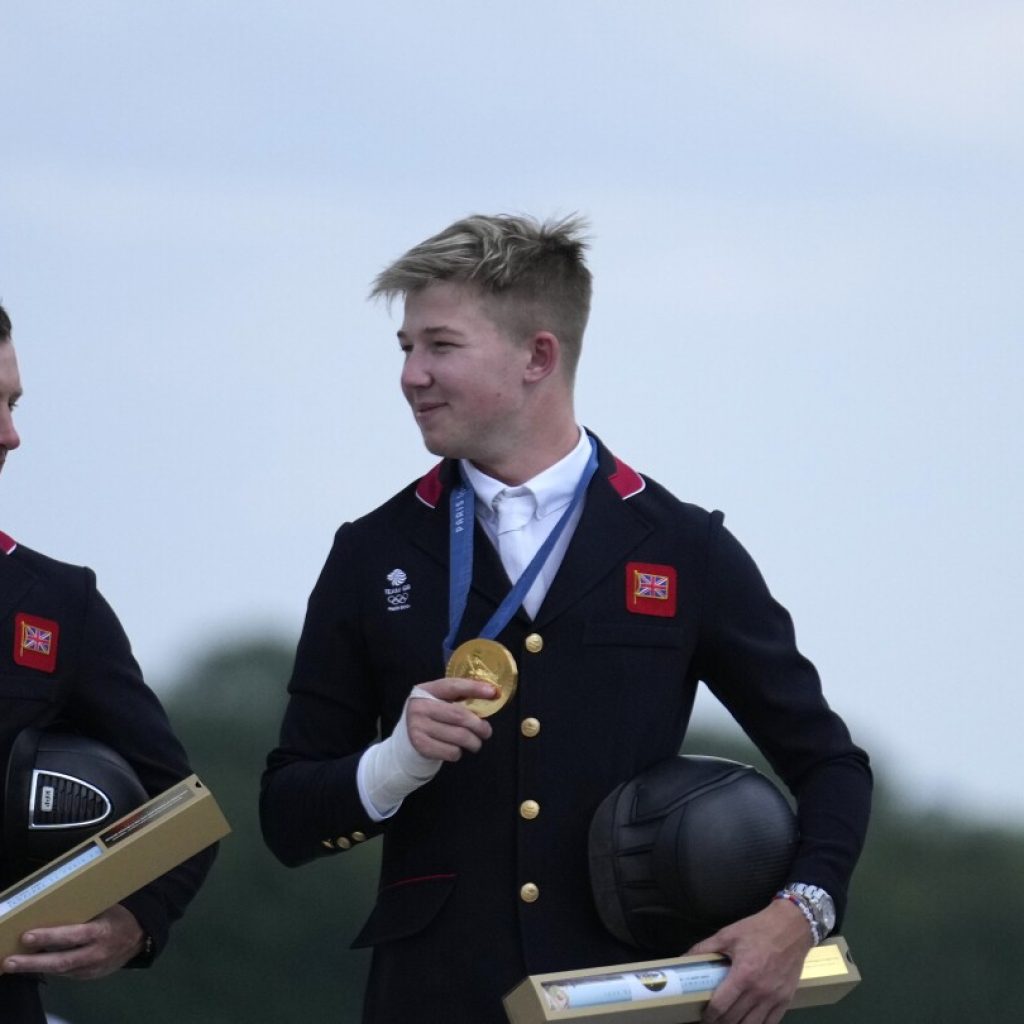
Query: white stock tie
pixel 514 511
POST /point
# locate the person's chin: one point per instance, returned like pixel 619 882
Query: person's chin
pixel 433 442
pixel 443 445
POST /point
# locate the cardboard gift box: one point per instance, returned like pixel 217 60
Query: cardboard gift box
pixel 671 991
pixel 117 861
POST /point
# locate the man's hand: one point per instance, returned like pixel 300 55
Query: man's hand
pixel 85 951
pixel 767 951
pixel 439 726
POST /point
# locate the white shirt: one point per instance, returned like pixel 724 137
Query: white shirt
pixel 552 491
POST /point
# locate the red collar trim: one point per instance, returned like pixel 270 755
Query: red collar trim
pixel 626 480
pixel 429 489
pixel 7 544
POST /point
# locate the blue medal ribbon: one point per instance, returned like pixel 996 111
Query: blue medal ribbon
pixel 462 521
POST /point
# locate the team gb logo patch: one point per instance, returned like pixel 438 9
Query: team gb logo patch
pixel 397 594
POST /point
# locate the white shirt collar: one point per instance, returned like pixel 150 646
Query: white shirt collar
pixel 552 488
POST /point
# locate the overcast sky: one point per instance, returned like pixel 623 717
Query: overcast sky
pixel 807 246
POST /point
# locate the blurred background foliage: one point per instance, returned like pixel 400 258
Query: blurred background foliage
pixel 933 924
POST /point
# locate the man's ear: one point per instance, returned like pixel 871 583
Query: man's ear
pixel 545 356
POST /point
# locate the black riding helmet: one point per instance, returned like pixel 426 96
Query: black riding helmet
pixel 688 846
pixel 60 789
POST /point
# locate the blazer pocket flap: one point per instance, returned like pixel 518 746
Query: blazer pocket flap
pixel 32 686
pixel 404 908
pixel 633 634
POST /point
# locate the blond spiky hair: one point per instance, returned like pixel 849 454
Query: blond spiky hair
pixel 531 274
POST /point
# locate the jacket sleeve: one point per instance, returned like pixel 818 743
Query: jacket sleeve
pixel 749 659
pixel 309 801
pixel 110 701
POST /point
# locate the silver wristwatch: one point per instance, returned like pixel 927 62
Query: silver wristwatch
pixel 818 906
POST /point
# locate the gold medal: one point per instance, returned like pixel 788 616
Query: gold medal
pixel 489 662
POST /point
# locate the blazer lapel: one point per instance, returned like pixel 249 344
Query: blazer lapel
pixel 609 529
pixel 489 578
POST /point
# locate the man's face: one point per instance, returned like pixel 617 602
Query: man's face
pixel 462 375
pixel 10 392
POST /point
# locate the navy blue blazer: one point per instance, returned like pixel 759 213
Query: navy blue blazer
pixel 82 677
pixel 473 894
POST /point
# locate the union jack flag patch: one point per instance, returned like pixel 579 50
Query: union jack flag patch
pixel 651 589
pixel 35 642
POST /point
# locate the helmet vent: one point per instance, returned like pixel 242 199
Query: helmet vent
pixel 63 801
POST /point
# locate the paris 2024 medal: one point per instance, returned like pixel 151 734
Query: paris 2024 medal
pixel 489 662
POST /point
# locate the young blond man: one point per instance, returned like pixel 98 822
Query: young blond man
pixel 485 819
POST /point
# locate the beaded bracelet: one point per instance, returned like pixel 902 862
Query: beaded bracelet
pixel 801 905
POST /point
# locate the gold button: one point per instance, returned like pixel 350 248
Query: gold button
pixel 529 809
pixel 359 837
pixel 529 727
pixel 529 893
pixel 535 643
pixel 329 843
pixel 343 842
